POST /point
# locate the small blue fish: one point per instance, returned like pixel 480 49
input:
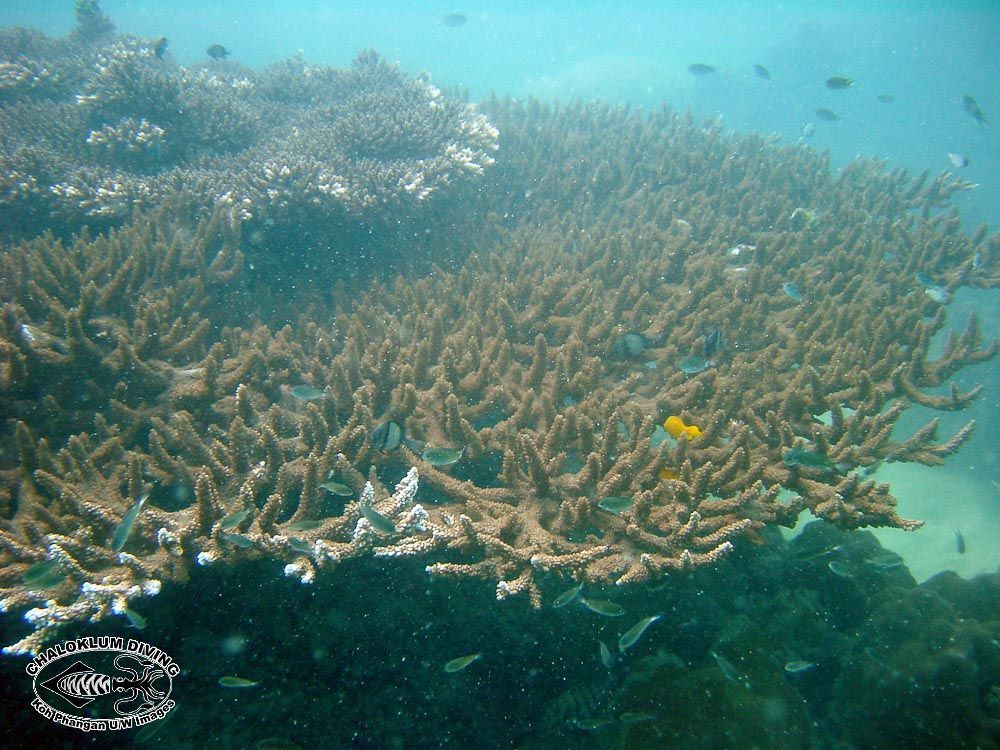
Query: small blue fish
pixel 387 436
pixel 629 345
pixel 791 291
pixel 379 522
pixel 799 456
pixel 693 365
pixel 712 343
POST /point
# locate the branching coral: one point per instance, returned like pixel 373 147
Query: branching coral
pixel 509 357
pixel 97 124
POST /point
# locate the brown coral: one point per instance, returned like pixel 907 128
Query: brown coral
pixel 508 356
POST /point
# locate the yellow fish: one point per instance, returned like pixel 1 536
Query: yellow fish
pixel 675 427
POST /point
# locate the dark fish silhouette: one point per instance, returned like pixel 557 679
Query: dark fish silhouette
pixel 217 52
pixel 160 48
pixel 629 345
pixel 454 20
pixel 959 542
pixel 712 343
pixel 838 83
pixel 763 72
pixel 827 115
pixel 700 69
pixel 972 108
pixel 387 436
pixel 886 98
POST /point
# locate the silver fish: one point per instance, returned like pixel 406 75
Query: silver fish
pixel 798 665
pixel 124 529
pixel 376 519
pixel 727 668
pixel 840 569
pixel 237 682
pixel 460 663
pixel 607 658
pixel 567 596
pixel 307 393
pixel 634 633
pixel 238 540
pixel 136 620
pixel 338 488
pixel 958 160
pixel 442 456
pixel 603 607
pixel 234 519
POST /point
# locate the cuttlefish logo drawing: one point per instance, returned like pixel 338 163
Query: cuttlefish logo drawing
pixel 103 683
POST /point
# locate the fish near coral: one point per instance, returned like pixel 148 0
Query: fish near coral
pixel 675 427
pixel 629 345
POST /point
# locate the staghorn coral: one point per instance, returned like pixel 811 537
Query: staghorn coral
pixel 508 356
pixel 97 124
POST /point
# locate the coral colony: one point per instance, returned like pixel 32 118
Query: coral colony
pixel 143 437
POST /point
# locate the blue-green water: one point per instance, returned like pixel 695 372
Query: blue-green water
pixel 341 649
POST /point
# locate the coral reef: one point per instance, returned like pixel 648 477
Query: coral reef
pixel 97 124
pixel 121 383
